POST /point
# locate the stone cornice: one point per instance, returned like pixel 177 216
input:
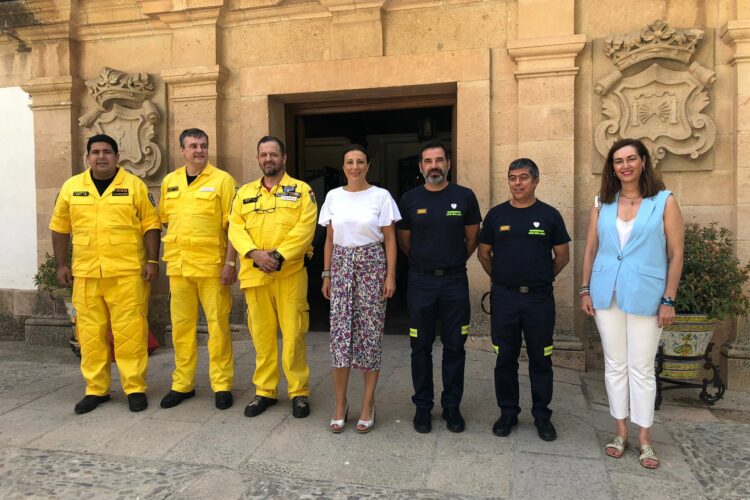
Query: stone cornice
pixel 183 13
pixel 123 29
pixel 549 56
pixel 345 5
pixel 52 92
pixel 239 15
pixel 194 83
pixel 47 32
pixel 736 34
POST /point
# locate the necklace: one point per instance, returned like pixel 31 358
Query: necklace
pixel 632 199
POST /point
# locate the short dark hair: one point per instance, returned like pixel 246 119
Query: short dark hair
pixel 649 183
pixel 101 138
pixel 357 147
pixel 271 138
pixel 432 144
pixel 195 133
pixel 525 163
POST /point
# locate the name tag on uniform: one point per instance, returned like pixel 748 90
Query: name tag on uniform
pixel 288 197
pixel 120 192
pixel 250 200
pixel 421 211
pixel 80 193
pixel 207 189
pixel 172 189
pixel 504 228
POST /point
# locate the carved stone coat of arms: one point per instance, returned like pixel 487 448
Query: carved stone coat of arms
pixel 125 113
pixel 659 105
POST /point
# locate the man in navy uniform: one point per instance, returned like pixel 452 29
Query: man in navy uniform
pixel 523 246
pixel 439 233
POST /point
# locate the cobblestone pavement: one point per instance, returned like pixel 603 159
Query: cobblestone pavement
pixel 196 451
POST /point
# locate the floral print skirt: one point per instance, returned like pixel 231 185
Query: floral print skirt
pixel 357 306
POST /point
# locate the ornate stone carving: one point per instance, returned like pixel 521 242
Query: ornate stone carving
pixel 125 112
pixel 658 105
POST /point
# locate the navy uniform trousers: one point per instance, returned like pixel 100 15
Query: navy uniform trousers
pixel 533 314
pixel 442 300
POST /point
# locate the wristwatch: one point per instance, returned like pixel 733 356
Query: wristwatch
pixel 326 274
pixel 278 256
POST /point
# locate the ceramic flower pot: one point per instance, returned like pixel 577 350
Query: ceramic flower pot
pixel 687 337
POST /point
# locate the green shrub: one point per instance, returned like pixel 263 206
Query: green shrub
pixel 712 277
pixel 46 275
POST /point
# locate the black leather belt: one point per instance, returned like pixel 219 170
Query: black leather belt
pixel 439 272
pixel 524 288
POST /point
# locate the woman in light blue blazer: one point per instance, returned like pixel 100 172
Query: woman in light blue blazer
pixel 631 268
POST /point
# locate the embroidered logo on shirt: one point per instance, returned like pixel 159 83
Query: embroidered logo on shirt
pixel 207 189
pixel 120 192
pixel 454 213
pixel 421 211
pixel 250 200
pixel 536 224
pixel 505 228
pixel 172 189
pixel 80 193
pixel 537 232
pixel 453 206
pixel 312 196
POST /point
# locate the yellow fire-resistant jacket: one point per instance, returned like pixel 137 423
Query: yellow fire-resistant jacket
pixel 197 216
pixel 283 220
pixel 107 230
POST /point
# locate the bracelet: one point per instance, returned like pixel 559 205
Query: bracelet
pixel 153 261
pixel 326 273
pixel 584 290
pixel 668 301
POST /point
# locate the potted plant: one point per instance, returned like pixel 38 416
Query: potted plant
pixel 46 279
pixel 710 290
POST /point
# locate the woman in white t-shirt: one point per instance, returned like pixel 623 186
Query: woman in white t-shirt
pixel 359 277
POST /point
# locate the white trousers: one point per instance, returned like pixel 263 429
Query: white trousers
pixel 630 343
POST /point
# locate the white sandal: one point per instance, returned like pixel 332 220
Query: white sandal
pixel 365 426
pixel 337 426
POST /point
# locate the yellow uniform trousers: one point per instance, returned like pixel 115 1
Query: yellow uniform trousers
pixel 280 303
pixel 122 303
pixel 216 300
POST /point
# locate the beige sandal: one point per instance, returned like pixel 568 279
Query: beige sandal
pixel 648 458
pixel 616 448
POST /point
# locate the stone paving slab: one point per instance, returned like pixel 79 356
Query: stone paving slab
pixel 196 451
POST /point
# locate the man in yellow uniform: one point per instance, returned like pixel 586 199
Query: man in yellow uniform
pixel 115 229
pixel 272 225
pixel 195 203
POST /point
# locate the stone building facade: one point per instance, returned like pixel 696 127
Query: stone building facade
pixel 553 80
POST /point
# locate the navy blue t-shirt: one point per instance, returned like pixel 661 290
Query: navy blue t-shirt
pixel 437 220
pixel 522 241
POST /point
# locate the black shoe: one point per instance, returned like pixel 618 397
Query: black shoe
pixel 300 406
pixel 90 402
pixel 223 400
pixel 504 425
pixel 423 421
pixel 258 406
pixel 137 401
pixel 545 429
pixel 173 398
pixel 455 421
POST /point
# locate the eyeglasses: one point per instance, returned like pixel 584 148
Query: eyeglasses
pixel 263 210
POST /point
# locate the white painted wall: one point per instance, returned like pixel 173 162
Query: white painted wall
pixel 17 191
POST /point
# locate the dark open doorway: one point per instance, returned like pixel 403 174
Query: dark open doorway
pixel 392 138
